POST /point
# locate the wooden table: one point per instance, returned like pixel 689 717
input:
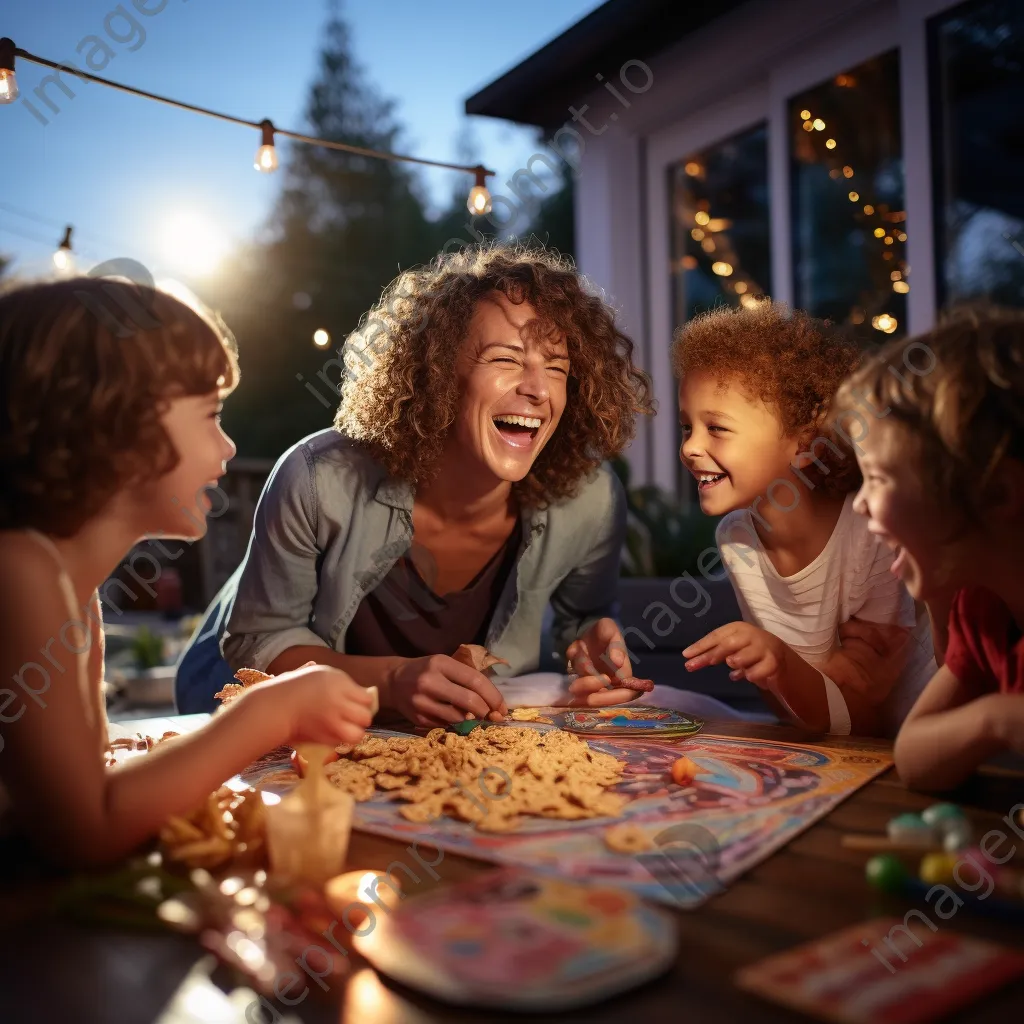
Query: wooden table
pixel 50 970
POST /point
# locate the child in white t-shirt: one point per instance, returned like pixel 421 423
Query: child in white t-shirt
pixel 832 638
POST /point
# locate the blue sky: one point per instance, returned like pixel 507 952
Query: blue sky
pixel 126 172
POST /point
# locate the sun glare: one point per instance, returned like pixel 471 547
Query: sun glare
pixel 192 243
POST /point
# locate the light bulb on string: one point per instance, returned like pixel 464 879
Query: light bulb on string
pixel 62 258
pixel 321 338
pixel 479 200
pixel 8 82
pixel 266 155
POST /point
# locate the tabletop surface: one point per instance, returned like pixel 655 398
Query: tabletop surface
pixel 51 970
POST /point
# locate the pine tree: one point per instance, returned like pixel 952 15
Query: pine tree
pixel 344 226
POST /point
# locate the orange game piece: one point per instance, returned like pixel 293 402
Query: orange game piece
pixel 684 771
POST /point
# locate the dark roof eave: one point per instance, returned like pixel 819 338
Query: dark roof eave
pixel 540 89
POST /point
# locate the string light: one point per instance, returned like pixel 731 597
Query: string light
pixel 8 83
pixel 479 201
pixel 692 168
pixel 266 160
pixel 847 171
pixel 869 209
pixel 819 125
pixel 62 258
pixel 853 196
pixel 884 323
pixel 900 286
pixel 830 143
pixel 266 155
pixel 696 234
pixel 321 338
pixel 702 217
pixel 805 114
pixel 741 287
pixel 879 232
pixel 721 268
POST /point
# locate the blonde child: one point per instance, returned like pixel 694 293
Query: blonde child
pixel 110 398
pixel 943 465
pixel 830 636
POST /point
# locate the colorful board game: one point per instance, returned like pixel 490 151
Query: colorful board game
pixel 750 798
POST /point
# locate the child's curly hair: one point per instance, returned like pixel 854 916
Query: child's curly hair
pixel 401 392
pixel 87 367
pixel 957 392
pixel 789 360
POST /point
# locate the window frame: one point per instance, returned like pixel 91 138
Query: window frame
pixel 868 32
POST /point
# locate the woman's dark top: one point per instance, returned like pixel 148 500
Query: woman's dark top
pixel 403 615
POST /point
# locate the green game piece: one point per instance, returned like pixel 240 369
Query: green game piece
pixel 939 814
pixel 466 727
pixel 886 872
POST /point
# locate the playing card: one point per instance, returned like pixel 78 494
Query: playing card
pixel 884 971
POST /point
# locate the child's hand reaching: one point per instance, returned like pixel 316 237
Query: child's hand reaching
pixel 314 704
pixel 753 654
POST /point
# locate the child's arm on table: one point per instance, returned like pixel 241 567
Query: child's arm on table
pixel 74 808
pixel 794 689
pixel 950 731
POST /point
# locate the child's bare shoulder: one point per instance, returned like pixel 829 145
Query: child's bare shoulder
pixel 30 572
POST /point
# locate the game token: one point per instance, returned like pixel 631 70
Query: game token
pixel 886 872
pixel 911 828
pixel 938 814
pixel 466 727
pixel 514 940
pixel 957 836
pixel 937 868
pixel 684 771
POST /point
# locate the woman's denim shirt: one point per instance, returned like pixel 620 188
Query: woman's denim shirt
pixel 331 523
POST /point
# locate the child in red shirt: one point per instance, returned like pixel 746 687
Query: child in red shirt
pixel 939 423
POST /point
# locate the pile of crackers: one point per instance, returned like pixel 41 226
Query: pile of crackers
pixel 494 777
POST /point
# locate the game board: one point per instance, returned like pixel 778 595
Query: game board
pixel 751 798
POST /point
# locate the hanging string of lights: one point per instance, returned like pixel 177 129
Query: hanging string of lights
pixel 478 202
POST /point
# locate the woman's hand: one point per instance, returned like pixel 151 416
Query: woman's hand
pixel 438 690
pixel 597 659
pixel 753 654
pixel 313 704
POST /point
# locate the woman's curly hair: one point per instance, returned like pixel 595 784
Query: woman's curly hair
pixel 401 393
pixel 87 367
pixel 789 360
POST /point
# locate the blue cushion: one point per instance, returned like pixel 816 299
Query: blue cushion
pixel 201 670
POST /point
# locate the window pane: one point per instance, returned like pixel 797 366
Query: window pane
pixel 849 221
pixel 720 247
pixel 978 95
pixel 720 243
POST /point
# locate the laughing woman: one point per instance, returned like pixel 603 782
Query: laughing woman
pixel 460 491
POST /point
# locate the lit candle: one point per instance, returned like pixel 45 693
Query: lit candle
pixel 357 897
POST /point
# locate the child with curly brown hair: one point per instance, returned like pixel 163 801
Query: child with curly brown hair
pixel 110 434
pixel 943 465
pixel 827 630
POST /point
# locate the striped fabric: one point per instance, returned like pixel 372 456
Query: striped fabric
pixel 850 577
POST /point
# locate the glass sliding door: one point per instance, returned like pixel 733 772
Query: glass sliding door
pixel 719 231
pixel 848 219
pixel 977 91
